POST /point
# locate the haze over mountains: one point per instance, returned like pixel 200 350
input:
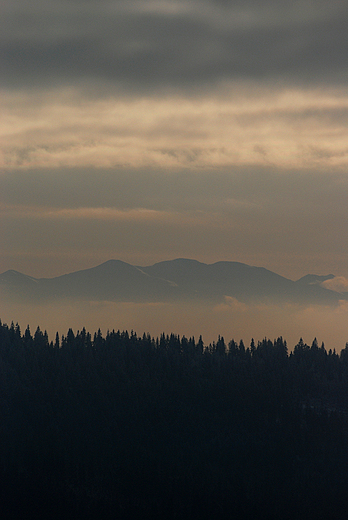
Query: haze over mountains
pixel 170 281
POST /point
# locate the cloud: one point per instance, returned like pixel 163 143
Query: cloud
pixel 230 304
pixel 143 45
pixel 338 283
pixel 306 196
pixel 241 126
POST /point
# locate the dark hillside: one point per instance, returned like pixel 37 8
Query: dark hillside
pixel 135 427
pixel 179 280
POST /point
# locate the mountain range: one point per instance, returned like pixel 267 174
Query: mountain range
pixel 169 281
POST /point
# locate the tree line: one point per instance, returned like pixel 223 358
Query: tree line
pixel 127 426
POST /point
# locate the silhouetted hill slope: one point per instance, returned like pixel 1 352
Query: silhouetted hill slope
pixel 174 280
pixel 15 285
pixel 15 279
pixel 113 280
pixel 237 280
pixel 314 279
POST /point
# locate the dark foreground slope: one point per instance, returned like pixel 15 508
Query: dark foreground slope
pixel 124 427
pixel 175 280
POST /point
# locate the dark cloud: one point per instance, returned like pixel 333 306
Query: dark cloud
pixel 236 188
pixel 143 45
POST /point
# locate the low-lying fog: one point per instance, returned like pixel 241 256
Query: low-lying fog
pixel 231 319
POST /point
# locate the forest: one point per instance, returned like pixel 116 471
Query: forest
pixel 124 426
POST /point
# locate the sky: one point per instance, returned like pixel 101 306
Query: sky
pixel 150 130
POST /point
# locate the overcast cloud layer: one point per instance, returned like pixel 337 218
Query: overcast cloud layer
pixel 145 45
pixel 149 130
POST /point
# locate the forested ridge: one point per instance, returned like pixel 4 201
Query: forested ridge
pixel 127 426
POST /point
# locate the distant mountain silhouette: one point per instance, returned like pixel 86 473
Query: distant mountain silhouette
pixel 174 280
pixel 314 279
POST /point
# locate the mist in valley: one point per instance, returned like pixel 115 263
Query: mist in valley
pixel 231 319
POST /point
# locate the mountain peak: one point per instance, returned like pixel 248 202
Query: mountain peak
pixel 15 277
pixel 181 279
pixel 314 279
